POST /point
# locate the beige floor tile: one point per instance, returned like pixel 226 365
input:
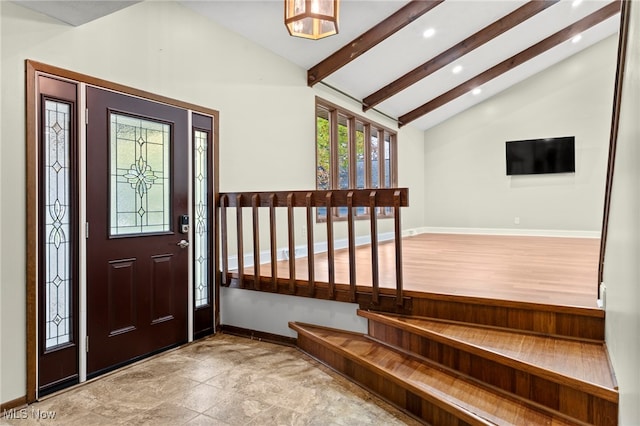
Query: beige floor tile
pixel 168 414
pixel 203 420
pixel 221 380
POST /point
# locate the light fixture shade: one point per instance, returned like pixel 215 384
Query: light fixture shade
pixel 313 19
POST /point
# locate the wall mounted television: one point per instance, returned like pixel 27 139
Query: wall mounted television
pixel 538 156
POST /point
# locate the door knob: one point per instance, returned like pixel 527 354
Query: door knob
pixel 183 243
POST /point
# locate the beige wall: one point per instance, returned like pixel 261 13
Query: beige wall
pixel 622 273
pixel 465 179
pixel 266 118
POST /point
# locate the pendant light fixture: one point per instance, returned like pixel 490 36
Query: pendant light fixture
pixel 313 19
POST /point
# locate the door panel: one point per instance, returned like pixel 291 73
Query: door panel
pixel 137 187
pixel 122 296
pixel 162 287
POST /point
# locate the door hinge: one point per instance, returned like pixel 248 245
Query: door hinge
pixel 86 343
pixel 86 230
pixel 86 116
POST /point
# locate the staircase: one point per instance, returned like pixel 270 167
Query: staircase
pixel 453 373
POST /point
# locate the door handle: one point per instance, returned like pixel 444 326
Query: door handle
pixel 183 244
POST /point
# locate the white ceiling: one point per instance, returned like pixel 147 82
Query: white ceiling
pixel 75 12
pixel 454 20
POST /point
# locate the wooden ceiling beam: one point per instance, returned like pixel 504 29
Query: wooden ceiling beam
pixel 486 34
pixel 518 59
pixel 403 17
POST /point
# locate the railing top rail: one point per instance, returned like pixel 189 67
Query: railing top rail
pixel 384 197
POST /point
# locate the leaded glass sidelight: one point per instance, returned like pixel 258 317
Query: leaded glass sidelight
pixel 201 210
pixel 140 172
pixel 57 220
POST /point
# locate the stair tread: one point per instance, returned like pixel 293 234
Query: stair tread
pixel 585 361
pixel 455 390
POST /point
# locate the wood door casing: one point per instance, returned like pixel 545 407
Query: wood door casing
pixel 137 284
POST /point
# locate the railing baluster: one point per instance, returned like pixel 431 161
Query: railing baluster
pixel 374 248
pixel 377 201
pixel 255 205
pixel 352 247
pixel 224 235
pixel 240 239
pixel 272 237
pixel 292 245
pixel 398 232
pixel 310 247
pixel 330 251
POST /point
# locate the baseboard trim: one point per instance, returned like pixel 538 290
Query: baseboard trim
pixel 13 404
pixel 510 232
pixel 321 247
pixel 261 336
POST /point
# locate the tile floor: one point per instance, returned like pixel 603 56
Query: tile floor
pixel 220 380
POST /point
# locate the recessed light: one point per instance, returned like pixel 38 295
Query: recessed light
pixel 457 69
pixel 429 32
pixel 576 3
pixel 576 38
pixel 476 91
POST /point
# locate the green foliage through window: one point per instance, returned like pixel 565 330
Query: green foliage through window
pixel 352 152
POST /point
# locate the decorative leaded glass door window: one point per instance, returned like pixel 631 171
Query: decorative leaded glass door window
pixel 140 171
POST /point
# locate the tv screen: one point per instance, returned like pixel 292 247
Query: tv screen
pixel 536 156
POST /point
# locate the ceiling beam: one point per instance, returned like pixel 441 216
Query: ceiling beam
pixel 403 17
pixel 486 34
pixel 506 65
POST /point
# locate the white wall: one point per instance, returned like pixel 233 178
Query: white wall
pixel 253 310
pixel 266 119
pixel 622 270
pixel 465 180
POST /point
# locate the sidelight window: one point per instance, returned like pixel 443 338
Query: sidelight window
pixel 201 210
pixel 58 274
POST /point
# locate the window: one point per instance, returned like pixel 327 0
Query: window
pixel 352 153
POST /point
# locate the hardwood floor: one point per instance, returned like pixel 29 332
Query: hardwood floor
pixel 545 270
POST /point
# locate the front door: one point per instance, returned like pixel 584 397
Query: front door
pixel 137 261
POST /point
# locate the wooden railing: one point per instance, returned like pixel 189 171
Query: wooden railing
pixel 375 200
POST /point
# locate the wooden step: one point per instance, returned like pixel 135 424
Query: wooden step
pixel 431 393
pixel 570 376
pixel 554 320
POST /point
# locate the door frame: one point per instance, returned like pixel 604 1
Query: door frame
pixel 33 70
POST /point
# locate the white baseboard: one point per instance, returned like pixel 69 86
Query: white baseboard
pixel 322 247
pixel 511 231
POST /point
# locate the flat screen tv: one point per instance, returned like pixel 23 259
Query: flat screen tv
pixel 537 156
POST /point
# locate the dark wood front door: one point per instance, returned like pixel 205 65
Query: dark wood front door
pixel 137 190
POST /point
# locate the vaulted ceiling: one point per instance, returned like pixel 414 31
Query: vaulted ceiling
pixel 382 58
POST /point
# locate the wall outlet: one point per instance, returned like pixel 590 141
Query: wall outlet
pixel 516 220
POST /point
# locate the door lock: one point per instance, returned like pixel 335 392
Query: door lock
pixel 184 224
